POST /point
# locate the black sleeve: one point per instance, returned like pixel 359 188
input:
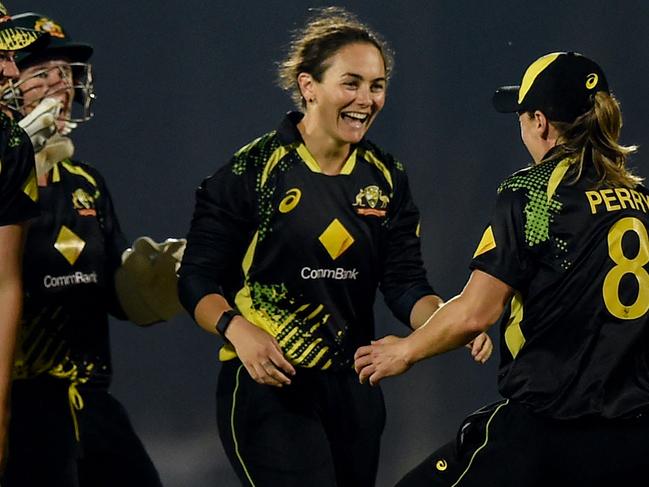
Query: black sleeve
pixel 220 232
pixel 115 242
pixel 18 186
pixel 503 252
pixel 403 280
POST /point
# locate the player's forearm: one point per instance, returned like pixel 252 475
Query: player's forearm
pixel 208 310
pixel 451 327
pixel 423 309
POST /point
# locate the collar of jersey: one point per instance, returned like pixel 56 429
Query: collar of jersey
pixel 290 135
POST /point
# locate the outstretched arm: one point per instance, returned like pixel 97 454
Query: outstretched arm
pixel 455 324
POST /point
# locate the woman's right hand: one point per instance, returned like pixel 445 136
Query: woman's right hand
pixel 260 353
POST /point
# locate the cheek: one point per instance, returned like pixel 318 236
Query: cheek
pixel 379 101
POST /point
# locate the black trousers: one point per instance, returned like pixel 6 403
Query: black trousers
pixel 323 430
pixel 43 448
pixel 504 445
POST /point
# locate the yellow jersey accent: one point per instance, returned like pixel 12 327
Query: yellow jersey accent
pixel 30 188
pixel 336 239
pixel 56 173
pixel 274 158
pixel 308 350
pixel 233 429
pixel 313 165
pixel 69 244
pixel 487 242
pixel 79 172
pixel 290 201
pixel 379 164
pixel 247 147
pixel 514 338
pixel 315 312
pixel 535 69
pixel 308 159
pixel 244 303
pixel 557 176
pixel 318 356
pixel 591 81
pixel 289 336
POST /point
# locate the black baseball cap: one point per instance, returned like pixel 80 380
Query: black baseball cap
pixel 60 45
pixel 559 84
pixel 14 37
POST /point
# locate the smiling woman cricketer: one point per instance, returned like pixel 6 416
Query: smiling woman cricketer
pixel 288 245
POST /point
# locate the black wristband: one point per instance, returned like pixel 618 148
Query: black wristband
pixel 224 321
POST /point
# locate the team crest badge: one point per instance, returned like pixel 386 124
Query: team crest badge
pixel 83 203
pixel 48 25
pixel 371 201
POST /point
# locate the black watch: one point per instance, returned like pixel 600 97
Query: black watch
pixel 224 322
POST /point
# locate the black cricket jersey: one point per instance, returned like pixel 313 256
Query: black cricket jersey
pixel 71 254
pixel 300 253
pixel 18 187
pixel 575 339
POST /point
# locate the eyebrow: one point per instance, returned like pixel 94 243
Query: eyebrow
pixel 359 77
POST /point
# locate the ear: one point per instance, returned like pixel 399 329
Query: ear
pixel 306 83
pixel 541 124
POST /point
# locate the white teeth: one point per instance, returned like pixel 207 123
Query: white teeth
pixel 357 115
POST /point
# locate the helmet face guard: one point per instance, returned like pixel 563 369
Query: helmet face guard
pixel 27 92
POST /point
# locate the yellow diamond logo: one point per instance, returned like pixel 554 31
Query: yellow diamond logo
pixel 336 239
pixel 69 244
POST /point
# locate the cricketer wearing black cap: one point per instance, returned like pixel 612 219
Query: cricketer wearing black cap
pixel 66 428
pixel 563 261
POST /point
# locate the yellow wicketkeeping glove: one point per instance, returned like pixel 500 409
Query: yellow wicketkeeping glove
pixel 147 283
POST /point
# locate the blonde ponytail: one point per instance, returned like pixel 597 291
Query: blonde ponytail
pixel 594 136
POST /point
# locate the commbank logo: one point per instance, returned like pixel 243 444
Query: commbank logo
pixel 70 279
pixel 337 274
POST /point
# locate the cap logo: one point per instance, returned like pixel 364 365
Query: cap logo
pixel 535 69
pixel 592 80
pixel 48 25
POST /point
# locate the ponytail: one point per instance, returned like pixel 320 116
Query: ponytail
pixel 594 137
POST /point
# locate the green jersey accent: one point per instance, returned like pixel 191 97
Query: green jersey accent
pixel 576 254
pixel 300 253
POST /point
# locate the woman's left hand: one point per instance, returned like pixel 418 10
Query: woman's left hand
pixel 481 348
pixel 382 358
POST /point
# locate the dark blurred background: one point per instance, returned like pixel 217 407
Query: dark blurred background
pixel 182 85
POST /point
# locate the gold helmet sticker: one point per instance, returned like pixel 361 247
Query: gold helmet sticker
pixel 441 465
pixel 591 81
pixel 48 25
pixel 371 201
pixel 290 201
